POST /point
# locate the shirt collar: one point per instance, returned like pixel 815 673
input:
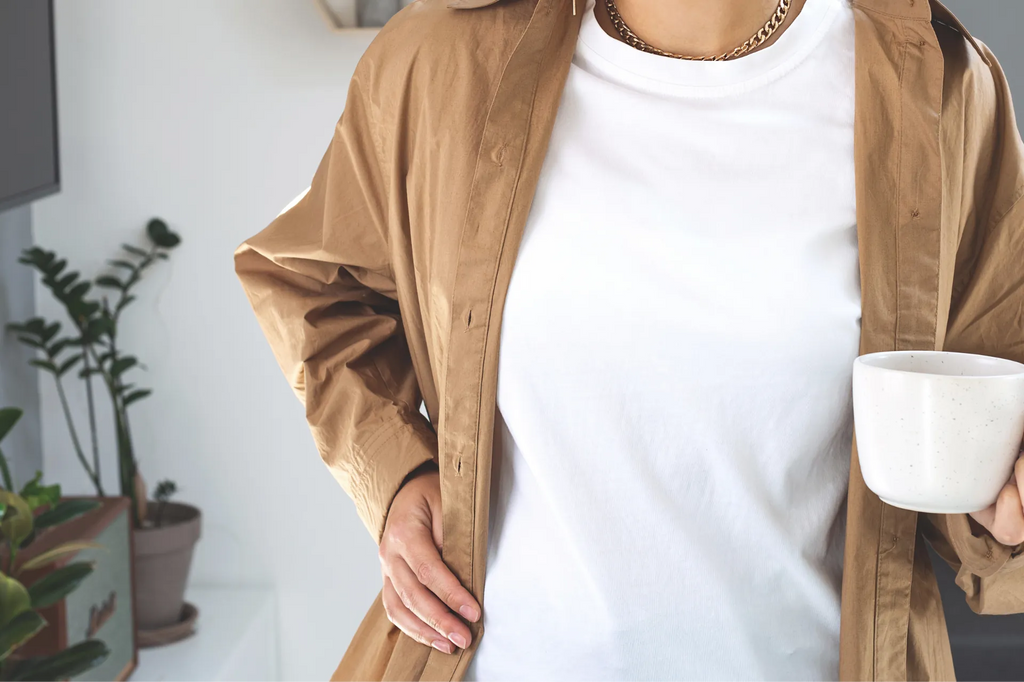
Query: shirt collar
pixel 931 9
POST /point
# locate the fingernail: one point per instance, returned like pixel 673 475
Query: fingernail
pixel 468 612
pixel 442 646
pixel 458 640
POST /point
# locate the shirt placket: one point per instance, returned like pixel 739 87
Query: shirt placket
pixel 900 214
pixel 517 120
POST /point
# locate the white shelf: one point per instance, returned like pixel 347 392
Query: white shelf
pixel 235 639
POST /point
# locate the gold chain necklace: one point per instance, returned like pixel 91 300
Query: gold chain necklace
pixel 750 43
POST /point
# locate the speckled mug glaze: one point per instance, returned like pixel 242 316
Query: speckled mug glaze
pixel 937 431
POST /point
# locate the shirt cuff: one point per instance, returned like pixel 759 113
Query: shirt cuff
pixel 981 555
pixel 394 453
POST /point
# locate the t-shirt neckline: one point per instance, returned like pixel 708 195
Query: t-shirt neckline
pixel 614 59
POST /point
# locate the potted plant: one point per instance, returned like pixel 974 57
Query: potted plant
pixel 163 556
pixel 21 599
pixel 92 349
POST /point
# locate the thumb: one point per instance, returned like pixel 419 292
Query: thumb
pixel 436 521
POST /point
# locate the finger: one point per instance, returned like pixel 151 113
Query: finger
pixel 427 606
pixel 408 623
pixel 1008 525
pixel 986 517
pixel 431 571
pixel 437 527
pixel 1018 473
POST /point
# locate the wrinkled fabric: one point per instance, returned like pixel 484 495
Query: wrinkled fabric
pixel 384 285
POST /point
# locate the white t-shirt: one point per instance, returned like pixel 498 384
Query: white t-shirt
pixel 674 418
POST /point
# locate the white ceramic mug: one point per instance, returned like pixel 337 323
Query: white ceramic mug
pixel 937 431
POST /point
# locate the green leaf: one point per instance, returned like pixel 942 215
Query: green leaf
pixel 123 303
pixel 17 520
pixel 34 343
pixel 43 364
pixel 72 661
pixel 14 599
pixel 136 395
pixel 50 332
pixel 68 364
pixel 49 556
pixel 110 282
pixel 79 290
pixel 60 285
pixel 167 241
pixel 65 511
pixel 99 326
pixel 58 346
pixel 37 495
pixel 29 540
pixel 121 264
pixel 9 416
pixel 57 584
pixel 121 365
pixel 164 490
pixel 160 234
pixel 5 480
pixel 134 250
pixel 38 257
pixel 156 226
pixel 88 372
pixel 36 325
pixel 19 631
pixel 34 482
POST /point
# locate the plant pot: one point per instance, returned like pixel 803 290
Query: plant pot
pixel 163 557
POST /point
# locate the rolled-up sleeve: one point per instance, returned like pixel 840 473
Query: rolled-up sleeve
pixel 320 282
pixel 987 317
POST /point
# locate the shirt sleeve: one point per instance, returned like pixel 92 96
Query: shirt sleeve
pixel 987 317
pixel 320 282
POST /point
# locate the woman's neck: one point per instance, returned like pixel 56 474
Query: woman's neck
pixel 697 27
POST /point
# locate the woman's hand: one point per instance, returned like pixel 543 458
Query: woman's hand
pixel 420 591
pixel 1005 519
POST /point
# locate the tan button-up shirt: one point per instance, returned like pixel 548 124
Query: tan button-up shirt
pixel 384 285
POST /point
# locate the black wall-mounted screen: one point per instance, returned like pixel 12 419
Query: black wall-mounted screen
pixel 28 103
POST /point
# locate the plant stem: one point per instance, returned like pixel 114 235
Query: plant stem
pixel 126 460
pixel 92 423
pixel 74 435
pixel 8 483
pixel 132 281
pixel 125 449
pixel 112 385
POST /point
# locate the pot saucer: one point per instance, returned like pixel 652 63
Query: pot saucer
pixel 170 633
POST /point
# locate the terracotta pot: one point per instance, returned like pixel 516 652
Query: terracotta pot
pixel 163 556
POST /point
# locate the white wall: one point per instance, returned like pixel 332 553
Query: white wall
pixel 17 378
pixel 212 115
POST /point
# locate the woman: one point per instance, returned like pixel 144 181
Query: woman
pixel 679 259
